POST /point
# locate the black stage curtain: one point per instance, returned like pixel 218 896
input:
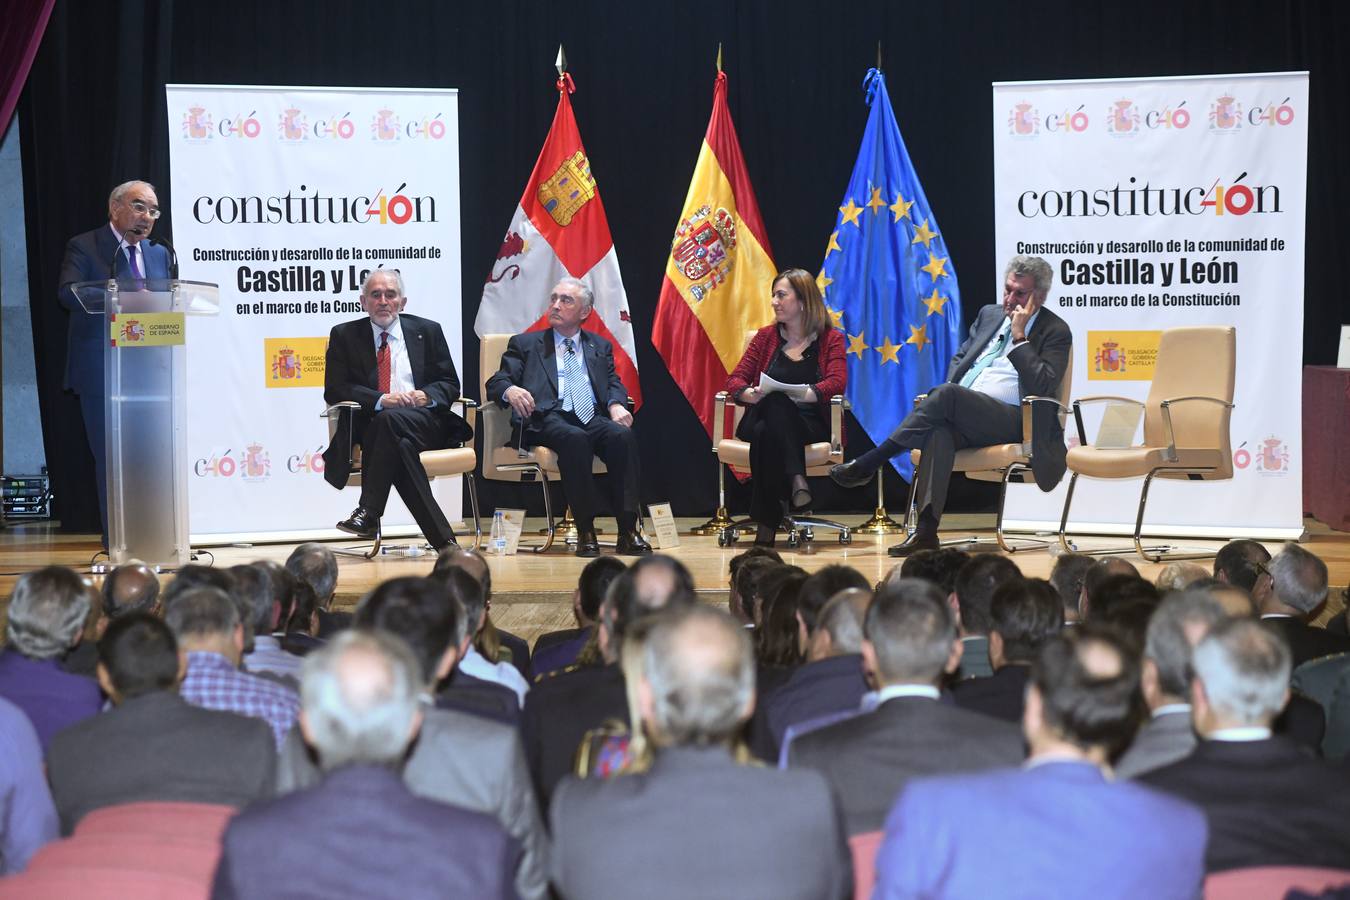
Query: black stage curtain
pixel 93 115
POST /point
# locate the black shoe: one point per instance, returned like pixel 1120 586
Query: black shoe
pixel 913 544
pixel 362 523
pixel 587 545
pixel 631 543
pixel 849 475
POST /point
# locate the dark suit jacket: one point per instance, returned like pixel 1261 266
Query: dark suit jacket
pixel 1307 641
pixel 1040 363
pixel 1269 803
pixel 834 684
pixel 351 374
pixel 1159 742
pixel 868 759
pixel 1000 695
pixel 373 837
pixel 558 713
pixel 91 257
pixel 558 650
pixel 531 363
pixel 479 697
pixel 699 825
pixel 159 747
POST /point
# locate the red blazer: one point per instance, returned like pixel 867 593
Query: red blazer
pixel 831 361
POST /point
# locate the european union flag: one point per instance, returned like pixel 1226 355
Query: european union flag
pixel 888 281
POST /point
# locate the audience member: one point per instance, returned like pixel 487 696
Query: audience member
pixel 253 589
pixel 697 824
pixel 462 691
pixel 940 566
pixel 27 815
pixel 316 565
pixel 1067 576
pixel 1059 826
pixel 975 586
pixel 298 632
pixel 131 587
pixel 154 746
pixel 1180 623
pixel 1097 573
pixel 1126 603
pixel 1298 587
pixel 747 591
pixel 1177 576
pixel 559 649
pixel 818 589
pixel 1236 601
pixel 911 643
pixel 1241 563
pixel 361 832
pixel 494 644
pixel 47 611
pixel 1023 615
pixel 1269 803
pixel 205 622
pixel 777 635
pixel 742 608
pixel 469 590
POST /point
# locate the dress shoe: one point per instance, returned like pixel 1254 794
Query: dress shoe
pixel 587 545
pixel 849 475
pixel 631 543
pixel 362 523
pixel 914 543
pixel 801 499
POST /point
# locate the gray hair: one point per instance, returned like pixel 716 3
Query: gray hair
pixel 359 694
pixel 842 619
pixel 911 628
pixel 1245 668
pixel 701 670
pixel 201 611
pixel 398 279
pixel 1299 578
pixel 1067 577
pixel 587 295
pixel 1178 624
pixel 1177 576
pixel 1042 276
pixel 316 565
pixel 122 189
pixel 46 612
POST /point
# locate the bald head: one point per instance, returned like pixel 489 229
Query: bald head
pixel 470 561
pixel 698 677
pixel 132 587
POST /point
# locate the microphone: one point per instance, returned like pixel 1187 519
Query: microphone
pixel 112 263
pixel 173 255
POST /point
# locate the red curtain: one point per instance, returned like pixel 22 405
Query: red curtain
pixel 18 45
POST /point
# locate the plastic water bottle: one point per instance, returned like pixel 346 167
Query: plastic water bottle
pixel 497 537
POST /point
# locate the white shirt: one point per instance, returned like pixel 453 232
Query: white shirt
pixel 560 352
pixel 1169 708
pixel 130 250
pixel 475 664
pixel 892 691
pixel 1239 735
pixel 400 369
pixel 999 378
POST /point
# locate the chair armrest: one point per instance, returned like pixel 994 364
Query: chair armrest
pixel 1171 454
pixel 337 410
pixel 719 417
pixel 838 403
pixel 470 407
pixel 1028 431
pixel 1102 398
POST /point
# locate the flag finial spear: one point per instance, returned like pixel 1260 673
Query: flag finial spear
pixel 719 56
pixel 561 62
pixel 878 54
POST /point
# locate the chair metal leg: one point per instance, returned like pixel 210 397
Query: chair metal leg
pixel 551 530
pixel 371 553
pixel 473 504
pixel 881 521
pixel 1156 553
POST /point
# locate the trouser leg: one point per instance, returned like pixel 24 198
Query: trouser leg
pixel 777 440
pixel 565 436
pixel 617 445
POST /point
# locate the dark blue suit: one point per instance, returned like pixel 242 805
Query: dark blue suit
pixel 93 256
pixel 1059 829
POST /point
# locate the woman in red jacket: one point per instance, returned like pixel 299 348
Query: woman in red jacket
pixel 800 347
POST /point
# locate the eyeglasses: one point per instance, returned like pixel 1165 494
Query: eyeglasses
pixel 145 209
pixel 383 295
pixel 1262 570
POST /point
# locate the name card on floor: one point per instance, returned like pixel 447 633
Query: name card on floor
pixel 663 524
pixel 514 522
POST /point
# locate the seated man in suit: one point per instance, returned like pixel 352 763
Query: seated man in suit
pixel 1059 826
pixel 565 394
pixel 153 745
pixel 1298 588
pixel 1269 802
pixel 1241 563
pixel 494 643
pixel 972 592
pixel 1067 577
pixel 375 837
pixel 1024 614
pixel 1015 349
pixel 116 250
pixel 559 649
pixel 398 367
pixel 458 758
pixel 697 823
pixel 316 565
pixel 911 642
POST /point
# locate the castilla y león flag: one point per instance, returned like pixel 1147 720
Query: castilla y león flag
pixel 560 229
pixel 720 269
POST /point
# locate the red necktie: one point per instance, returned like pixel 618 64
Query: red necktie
pixel 382 362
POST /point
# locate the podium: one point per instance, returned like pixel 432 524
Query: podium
pixel 145 410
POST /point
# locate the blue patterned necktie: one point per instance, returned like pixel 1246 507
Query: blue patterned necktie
pixel 578 388
pixel 995 348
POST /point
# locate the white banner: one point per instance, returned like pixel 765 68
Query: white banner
pixel 1164 202
pixel 286 197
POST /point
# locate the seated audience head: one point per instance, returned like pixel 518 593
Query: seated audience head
pixel 739 605
pixel 939 566
pixel 253 592
pixel 459 588
pixel 817 590
pixel 698 685
pixel 1067 578
pixel 1239 563
pixel 304 610
pixel 138 655
pixel 193 575
pixel 975 586
pixel 419 612
pixel 1097 573
pixel 205 619
pixel 131 587
pixel 652 584
pixel 1024 614
pixel 595 580
pixel 1236 601
pixel 777 639
pixel 281 583
pixel 1177 576
pixel 839 628
pixel 1126 603
pixel 469 560
pixel 316 565
pixel 749 587
pixel 1081 697
pixel 1241 677
pixel 359 700
pixel 47 612
pixel 1298 583
pixel 911 634
pixel 1179 623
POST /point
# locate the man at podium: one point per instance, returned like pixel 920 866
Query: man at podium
pixel 115 250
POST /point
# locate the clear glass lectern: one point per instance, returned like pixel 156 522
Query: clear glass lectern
pixel 145 409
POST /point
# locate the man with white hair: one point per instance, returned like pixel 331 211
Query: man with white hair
pixel 565 394
pixel 1298 587
pixel 360 710
pixel 1269 802
pixel 698 823
pixel 46 618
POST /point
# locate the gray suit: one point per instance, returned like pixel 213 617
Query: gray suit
pixel 1162 741
pixel 467 761
pixel 699 825
pixel 158 747
pixel 868 759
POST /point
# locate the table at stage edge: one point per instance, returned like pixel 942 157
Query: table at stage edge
pixel 1326 445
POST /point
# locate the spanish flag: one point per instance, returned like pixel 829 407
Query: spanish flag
pixel 720 269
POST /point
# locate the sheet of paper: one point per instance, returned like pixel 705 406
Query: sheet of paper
pixel 1119 423
pixel 769 385
pixel 514 520
pixel 1343 355
pixel 663 526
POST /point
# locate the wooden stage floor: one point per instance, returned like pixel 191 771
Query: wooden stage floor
pixel 532 593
